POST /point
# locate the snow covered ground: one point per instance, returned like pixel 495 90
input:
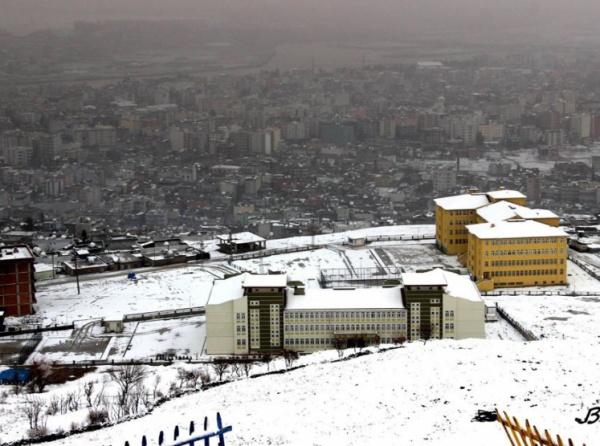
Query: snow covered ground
pixel 418 395
pixel 163 290
pixel 423 394
pixel 559 316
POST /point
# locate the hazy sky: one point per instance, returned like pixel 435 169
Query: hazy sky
pixel 371 15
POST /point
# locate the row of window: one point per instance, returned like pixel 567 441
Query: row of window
pixel 459 231
pixel 535 272
pixel 526 262
pixel 291 328
pixel 240 316
pixel 526 241
pixel 324 341
pixel 522 252
pixel 461 212
pixel 241 342
pixel 460 241
pixel 299 315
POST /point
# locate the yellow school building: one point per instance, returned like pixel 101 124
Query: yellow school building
pixel 517 253
pixel 501 241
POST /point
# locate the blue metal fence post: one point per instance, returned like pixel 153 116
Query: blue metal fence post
pixel 176 433
pixel 161 438
pixel 144 441
pixel 220 428
pixel 206 440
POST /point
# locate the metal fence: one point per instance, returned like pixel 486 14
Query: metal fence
pixel 361 277
pixel 527 334
pixel 164 314
pixel 192 436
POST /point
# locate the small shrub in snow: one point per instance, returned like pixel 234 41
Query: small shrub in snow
pixel 37 432
pixel 97 416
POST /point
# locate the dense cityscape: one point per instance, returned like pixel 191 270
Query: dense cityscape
pixel 312 224
pixel 281 151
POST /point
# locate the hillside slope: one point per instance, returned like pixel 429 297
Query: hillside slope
pixel 418 395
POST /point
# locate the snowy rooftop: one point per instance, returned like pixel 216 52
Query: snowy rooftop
pixel 514 229
pixel 241 237
pixel 430 278
pixel 461 287
pixel 504 194
pixel 227 289
pixel 465 201
pixel 504 210
pixel 265 281
pixel 16 253
pixel 361 298
pixel 455 285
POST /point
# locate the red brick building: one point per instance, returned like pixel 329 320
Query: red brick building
pixel 17 290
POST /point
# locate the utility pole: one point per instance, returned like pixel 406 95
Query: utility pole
pixel 76 272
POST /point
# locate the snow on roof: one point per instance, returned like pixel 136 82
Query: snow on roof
pixel 225 290
pixel 530 214
pixel 514 229
pixel 16 253
pixel 461 287
pixel 40 267
pixel 361 298
pixel 504 210
pixel 465 201
pixel 266 281
pixel 504 194
pixel 430 278
pixel 454 284
pixel 241 237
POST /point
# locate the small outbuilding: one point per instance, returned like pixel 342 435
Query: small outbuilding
pixel 113 324
pixel 240 243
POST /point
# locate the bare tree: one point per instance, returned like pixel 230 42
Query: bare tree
pixel 220 367
pixel 155 391
pixel 290 357
pixel 400 340
pixel 33 409
pixel 266 359
pixel 340 345
pixel 126 378
pixel 88 392
pixel 39 376
pixel 247 367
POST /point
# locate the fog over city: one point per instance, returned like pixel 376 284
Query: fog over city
pixel 340 222
pixel 379 18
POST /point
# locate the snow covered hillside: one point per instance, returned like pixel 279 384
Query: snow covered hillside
pixel 417 395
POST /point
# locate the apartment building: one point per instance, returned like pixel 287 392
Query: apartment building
pixel 17 288
pixel 517 253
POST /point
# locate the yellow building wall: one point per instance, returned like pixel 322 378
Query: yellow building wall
pixel 518 262
pixel 549 221
pixel 520 201
pixel 450 229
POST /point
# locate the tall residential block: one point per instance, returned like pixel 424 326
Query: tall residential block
pixel 17 290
